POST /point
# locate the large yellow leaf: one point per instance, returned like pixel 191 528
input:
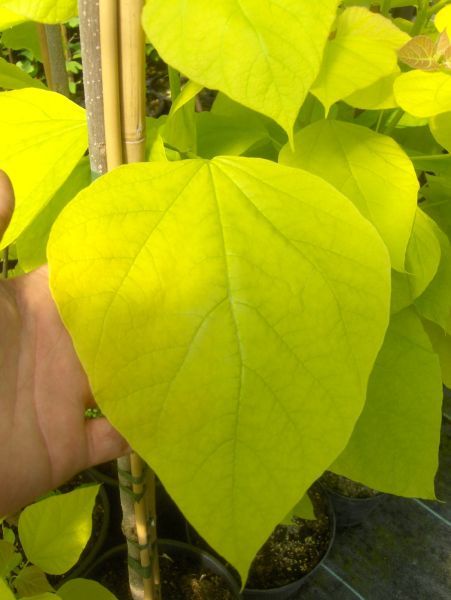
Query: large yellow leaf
pixel 43 136
pixel 362 51
pixel 264 54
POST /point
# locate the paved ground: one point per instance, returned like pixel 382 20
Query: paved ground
pixel 401 552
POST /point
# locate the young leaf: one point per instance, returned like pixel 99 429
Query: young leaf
pixel 423 94
pixel 86 589
pixel 394 446
pixel 263 54
pixel 362 52
pixel 419 53
pixel 47 136
pixel 370 168
pixel 13 78
pixel 32 243
pixel 422 262
pixel 44 11
pixel 32 581
pixel 218 301
pixel 9 558
pixel 54 531
pixel 435 302
pixel 378 96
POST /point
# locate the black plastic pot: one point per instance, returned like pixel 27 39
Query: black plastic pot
pixel 291 589
pixel 352 511
pixel 202 559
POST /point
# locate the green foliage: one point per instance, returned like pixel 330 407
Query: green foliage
pixel 47 137
pixel 165 250
pixel 13 78
pixel 44 11
pixel 23 36
pixel 84 588
pixel 370 169
pixel 54 531
pixel 264 55
pixel 233 313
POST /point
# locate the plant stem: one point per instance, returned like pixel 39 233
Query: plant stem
pixel 436 7
pixel 53 58
pixel 393 120
pixel 67 53
pixel 174 83
pixel 421 19
pixel 385 7
pixel 92 71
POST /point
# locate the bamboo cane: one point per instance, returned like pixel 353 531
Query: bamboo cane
pixel 92 80
pixel 132 61
pixel 109 51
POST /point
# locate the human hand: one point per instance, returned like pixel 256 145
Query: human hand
pixel 44 392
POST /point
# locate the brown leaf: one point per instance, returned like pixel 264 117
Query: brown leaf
pixel 419 53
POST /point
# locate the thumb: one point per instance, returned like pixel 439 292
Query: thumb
pixel 6 202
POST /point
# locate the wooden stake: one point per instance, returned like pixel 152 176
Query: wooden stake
pixel 92 80
pixel 133 92
pixel 109 50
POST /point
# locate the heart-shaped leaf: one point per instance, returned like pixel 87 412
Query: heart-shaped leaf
pixel 362 51
pixel 263 54
pixel 370 168
pixel 441 129
pixel 423 94
pixel 54 531
pixel 419 53
pixel 218 307
pixel 86 589
pixel 377 96
pixel 394 446
pixel 46 136
pixel 9 19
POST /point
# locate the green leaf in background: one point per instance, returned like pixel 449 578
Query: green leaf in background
pixel 43 11
pixel 5 591
pixel 45 596
pixel 180 126
pixel 435 302
pixel 302 510
pixel 32 581
pixel 441 129
pixel 441 342
pixel 263 54
pixel 9 19
pixel 362 51
pixel 23 36
pixel 47 136
pixel 225 135
pixel 54 531
pixel 9 558
pixel 367 167
pixel 437 194
pixel 423 94
pixel 13 78
pixel 378 96
pixel 422 262
pixel 86 589
pixel 266 274
pixel 394 446
pixel 32 243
